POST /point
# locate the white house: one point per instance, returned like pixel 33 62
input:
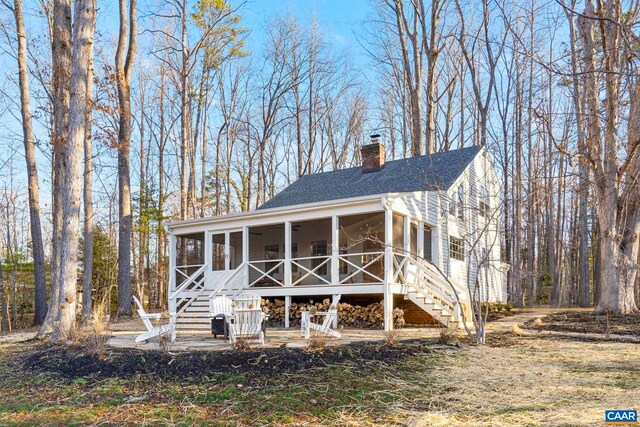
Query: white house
pixel 425 228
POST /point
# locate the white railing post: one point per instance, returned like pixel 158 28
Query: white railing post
pixel 335 250
pixel 287 253
pixel 245 253
pixel 388 269
pixel 287 305
pixel 172 273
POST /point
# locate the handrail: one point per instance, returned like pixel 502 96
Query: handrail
pixel 311 257
pixel 188 265
pixel 429 279
pixel 362 253
pixel 190 280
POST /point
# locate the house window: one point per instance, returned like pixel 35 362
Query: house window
pixel 343 267
pixel 483 202
pixel 461 202
pixel 271 252
pixel 319 249
pixel 456 248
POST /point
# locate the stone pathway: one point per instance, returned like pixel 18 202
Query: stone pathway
pixel 123 336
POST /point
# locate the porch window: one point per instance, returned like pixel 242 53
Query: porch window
pixel 217 252
pixel 456 248
pixel 319 249
pixel 271 252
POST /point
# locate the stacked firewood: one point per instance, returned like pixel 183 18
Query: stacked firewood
pixel 349 316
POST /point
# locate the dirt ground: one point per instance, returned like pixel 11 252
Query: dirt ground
pixel 514 380
pixel 591 323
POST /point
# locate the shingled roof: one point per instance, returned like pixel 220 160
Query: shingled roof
pixel 425 173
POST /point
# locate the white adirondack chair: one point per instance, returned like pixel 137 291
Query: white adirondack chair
pixel 247 324
pixel 153 331
pixel 330 317
pixel 220 305
pixel 247 302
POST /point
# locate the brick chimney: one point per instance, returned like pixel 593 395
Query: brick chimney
pixel 373 154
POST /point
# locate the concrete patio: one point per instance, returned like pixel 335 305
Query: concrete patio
pixel 124 334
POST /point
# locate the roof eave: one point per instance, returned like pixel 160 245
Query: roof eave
pixel 172 225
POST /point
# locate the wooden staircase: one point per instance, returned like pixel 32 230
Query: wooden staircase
pixel 431 290
pixel 193 309
pixel 196 315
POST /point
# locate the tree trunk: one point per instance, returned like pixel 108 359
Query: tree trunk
pixel 82 50
pixel 87 272
pixel 40 291
pixel 61 82
pixel 124 64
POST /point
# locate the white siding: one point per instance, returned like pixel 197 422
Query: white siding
pixel 480 233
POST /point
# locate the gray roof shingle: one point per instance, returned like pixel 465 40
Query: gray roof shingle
pixel 424 173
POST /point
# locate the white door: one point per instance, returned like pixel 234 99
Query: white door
pixel 225 256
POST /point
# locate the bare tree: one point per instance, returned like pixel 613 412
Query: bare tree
pixel 82 50
pixel 60 82
pixel 87 271
pixel 40 298
pixel 124 65
pixel 604 31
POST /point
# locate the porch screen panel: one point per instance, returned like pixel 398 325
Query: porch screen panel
pixel 235 250
pixel 361 244
pixel 189 255
pixel 319 249
pixel 217 252
pixel 398 233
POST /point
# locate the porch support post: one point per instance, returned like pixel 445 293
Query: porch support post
pixel 420 241
pixel 436 246
pixel 335 250
pixel 287 253
pixel 172 272
pixel 245 254
pixel 287 305
pixel 388 269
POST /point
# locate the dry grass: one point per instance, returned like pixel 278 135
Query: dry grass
pixel 526 381
pixel 96 333
pixel 516 329
pixel 241 344
pixel 536 382
pixel 165 343
pixel 392 338
pixel 448 336
pixel 317 341
pixel 538 323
